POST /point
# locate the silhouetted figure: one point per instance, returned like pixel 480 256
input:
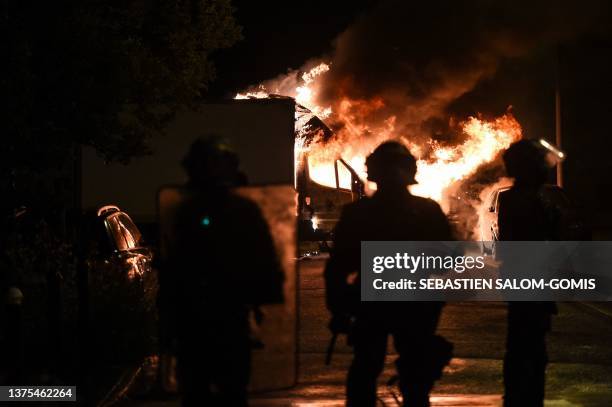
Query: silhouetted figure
pixel 392 213
pixel 529 211
pixel 222 264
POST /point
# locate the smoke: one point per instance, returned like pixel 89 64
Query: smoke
pixel 411 60
pixel 400 69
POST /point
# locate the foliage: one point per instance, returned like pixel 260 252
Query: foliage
pixel 39 262
pixel 108 74
pixel 103 73
pixel 123 313
pixel 34 251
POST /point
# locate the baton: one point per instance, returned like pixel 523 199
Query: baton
pixel 330 348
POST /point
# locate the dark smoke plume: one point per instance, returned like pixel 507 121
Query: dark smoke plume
pixel 418 57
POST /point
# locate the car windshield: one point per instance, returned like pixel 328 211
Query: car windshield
pixel 124 232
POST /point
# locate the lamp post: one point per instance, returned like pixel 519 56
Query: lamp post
pixel 558 115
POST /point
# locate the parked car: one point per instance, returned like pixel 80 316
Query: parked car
pixel 122 289
pixel 572 226
pixel 489 230
pixel 123 243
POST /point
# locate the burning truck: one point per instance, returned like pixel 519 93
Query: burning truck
pixel 319 204
pixel 332 142
pixel 391 74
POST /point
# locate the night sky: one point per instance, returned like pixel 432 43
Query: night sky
pixel 279 36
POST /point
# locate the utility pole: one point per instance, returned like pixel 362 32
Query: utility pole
pixel 558 114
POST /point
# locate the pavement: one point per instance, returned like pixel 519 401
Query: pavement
pixel 580 351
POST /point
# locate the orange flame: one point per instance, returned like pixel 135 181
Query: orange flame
pixel 485 139
pixel 439 166
pixel 303 88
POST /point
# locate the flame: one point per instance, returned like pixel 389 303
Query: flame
pixel 438 166
pixel 485 139
pixel 303 88
pixel 444 166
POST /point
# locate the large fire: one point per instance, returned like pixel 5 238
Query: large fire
pixel 440 166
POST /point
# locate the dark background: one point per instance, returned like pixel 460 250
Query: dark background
pixel 279 36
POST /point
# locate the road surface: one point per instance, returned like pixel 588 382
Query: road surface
pixel 580 347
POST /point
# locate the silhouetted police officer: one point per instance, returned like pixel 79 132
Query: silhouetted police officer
pixel 392 213
pixel 528 211
pixel 221 264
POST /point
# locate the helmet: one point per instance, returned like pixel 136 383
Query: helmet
pixel 525 160
pixel 392 161
pixel 211 161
